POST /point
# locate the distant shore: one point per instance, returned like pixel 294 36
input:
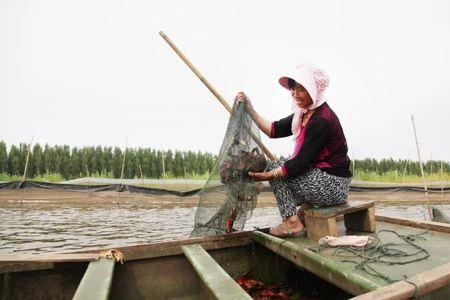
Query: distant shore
pixel 44 197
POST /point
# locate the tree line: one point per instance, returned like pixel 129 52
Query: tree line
pixel 403 166
pixel 150 163
pixel 103 162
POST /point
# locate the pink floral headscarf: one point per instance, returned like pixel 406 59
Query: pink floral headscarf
pixel 315 81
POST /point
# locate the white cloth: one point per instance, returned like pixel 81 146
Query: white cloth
pixel 346 240
pixel 315 81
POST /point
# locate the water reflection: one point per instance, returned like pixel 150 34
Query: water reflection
pixel 47 228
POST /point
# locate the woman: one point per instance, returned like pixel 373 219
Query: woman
pixel 317 173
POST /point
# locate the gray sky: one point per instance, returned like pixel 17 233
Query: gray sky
pixel 97 72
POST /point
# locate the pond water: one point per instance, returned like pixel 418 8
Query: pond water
pixel 55 228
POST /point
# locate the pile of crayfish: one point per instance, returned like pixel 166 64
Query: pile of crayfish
pixel 260 291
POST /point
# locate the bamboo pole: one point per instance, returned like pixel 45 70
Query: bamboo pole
pixel 214 91
pixel 404 170
pixel 163 165
pixel 24 176
pixel 442 179
pixel 123 168
pixel 142 174
pixel 123 165
pixel 421 170
pixel 26 162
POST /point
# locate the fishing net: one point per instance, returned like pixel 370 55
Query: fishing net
pixel 229 196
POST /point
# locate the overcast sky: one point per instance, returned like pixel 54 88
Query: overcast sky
pixel 97 72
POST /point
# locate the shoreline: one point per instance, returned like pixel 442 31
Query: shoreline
pixel 62 197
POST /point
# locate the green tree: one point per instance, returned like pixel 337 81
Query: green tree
pixel 36 163
pixel 14 161
pixel 178 164
pixel 117 162
pixel 85 162
pixel 3 158
pixel 75 163
pixel 201 166
pixel 190 161
pixel 95 154
pixel 158 164
pixel 49 159
pixel 168 161
pixel 130 170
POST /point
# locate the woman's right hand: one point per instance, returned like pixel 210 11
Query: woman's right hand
pixel 242 97
pixel 263 124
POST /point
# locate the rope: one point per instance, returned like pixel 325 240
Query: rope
pixel 385 253
pixel 278 255
pixel 416 287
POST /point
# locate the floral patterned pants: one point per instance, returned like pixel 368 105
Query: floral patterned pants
pixel 315 187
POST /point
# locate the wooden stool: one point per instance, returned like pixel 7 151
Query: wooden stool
pixel 358 216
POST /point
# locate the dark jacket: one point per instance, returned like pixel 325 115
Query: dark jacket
pixel 324 145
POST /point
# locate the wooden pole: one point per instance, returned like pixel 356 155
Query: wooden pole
pixel 442 179
pixel 26 162
pixel 142 174
pixel 421 170
pixel 214 91
pixel 123 163
pixel 24 176
pixel 404 170
pixel 123 168
pixel 431 164
pixel 163 166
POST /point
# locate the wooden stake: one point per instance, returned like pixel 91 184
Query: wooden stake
pixel 142 174
pixel 24 176
pixel 123 167
pixel 123 162
pixel 404 170
pixel 163 165
pixel 421 170
pixel 28 158
pixel 442 179
pixel 214 91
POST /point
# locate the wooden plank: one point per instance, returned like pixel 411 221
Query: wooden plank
pixel 7 267
pixel 97 280
pixel 430 225
pixel 20 262
pixel 332 211
pixel 49 258
pixel 334 272
pixel 162 249
pixel 416 286
pixel 218 283
pixel 363 220
pixel 318 228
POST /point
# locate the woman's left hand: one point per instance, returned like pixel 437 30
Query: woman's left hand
pixel 260 176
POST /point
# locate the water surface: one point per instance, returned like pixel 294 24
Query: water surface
pixel 40 228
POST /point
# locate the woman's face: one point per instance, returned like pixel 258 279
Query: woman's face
pixel 301 96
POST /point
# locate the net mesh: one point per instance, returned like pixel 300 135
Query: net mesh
pixel 229 196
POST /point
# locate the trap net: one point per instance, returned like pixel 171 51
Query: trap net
pixel 229 195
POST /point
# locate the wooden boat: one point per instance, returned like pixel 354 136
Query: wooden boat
pixel 206 268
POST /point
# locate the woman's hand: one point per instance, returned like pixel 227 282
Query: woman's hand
pixel 241 97
pixel 264 176
pixel 263 124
